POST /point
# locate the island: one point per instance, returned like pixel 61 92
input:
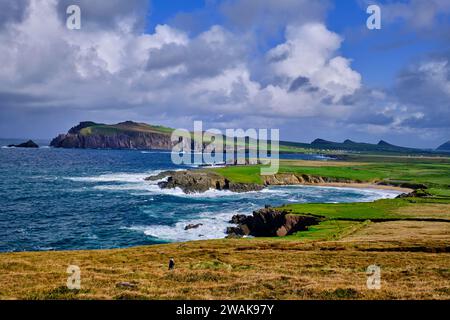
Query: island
pixel 28 144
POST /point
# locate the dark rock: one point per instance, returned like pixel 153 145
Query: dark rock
pixel 402 184
pixel 269 222
pixel 293 179
pixel 28 144
pixel 235 231
pixel 125 284
pixel 193 226
pixel 419 193
pixel 239 219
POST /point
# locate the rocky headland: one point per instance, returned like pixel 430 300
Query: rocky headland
pixel 124 135
pixel 194 181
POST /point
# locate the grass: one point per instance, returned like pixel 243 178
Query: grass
pixel 118 128
pixel 328 230
pixel 385 209
pixel 236 269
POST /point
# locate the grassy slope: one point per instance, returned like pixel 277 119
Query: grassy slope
pixel 114 129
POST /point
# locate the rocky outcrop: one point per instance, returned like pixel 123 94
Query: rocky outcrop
pixel 419 193
pixel 270 222
pixel 193 226
pixel 28 144
pixel 193 181
pixel 292 178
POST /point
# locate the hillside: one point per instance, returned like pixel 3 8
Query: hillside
pixel 444 147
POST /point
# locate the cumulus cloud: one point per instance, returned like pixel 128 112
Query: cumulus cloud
pixel 309 52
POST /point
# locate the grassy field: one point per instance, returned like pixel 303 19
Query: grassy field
pixel 408 238
pixel 412 267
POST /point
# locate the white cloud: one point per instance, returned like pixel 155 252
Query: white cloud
pixel 309 52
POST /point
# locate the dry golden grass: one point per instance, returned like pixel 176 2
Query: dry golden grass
pixel 429 210
pixel 237 269
pixel 403 231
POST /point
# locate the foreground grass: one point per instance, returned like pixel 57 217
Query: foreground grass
pixel 412 268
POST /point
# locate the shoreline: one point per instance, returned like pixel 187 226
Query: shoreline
pixel 354 185
pixel 357 185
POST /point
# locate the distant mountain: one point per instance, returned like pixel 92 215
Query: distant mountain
pixel 349 145
pixel 444 147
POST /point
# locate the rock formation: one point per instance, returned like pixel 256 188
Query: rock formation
pixel 28 144
pixel 200 181
pixel 193 226
pixel 292 178
pixel 270 222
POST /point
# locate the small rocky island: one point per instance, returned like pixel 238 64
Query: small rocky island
pixel 28 144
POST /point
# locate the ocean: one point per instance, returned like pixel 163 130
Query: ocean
pixel 66 199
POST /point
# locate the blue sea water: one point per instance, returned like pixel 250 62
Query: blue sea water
pixel 58 199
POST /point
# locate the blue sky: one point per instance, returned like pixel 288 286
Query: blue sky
pixel 310 68
pixel 379 54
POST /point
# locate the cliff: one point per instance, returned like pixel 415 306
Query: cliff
pixel 124 135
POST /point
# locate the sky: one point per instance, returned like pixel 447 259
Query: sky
pixel 309 68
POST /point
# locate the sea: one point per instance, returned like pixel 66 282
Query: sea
pixel 67 199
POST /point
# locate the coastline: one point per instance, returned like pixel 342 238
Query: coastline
pixel 354 185
pixel 357 185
